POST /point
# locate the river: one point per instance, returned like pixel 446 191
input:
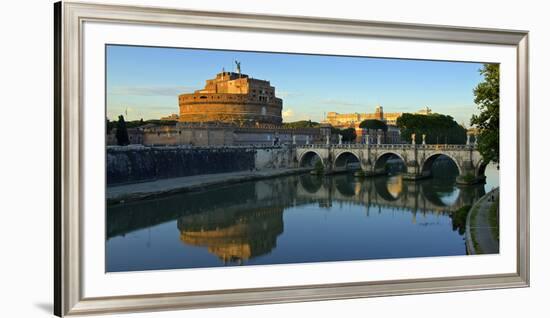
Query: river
pixel 293 219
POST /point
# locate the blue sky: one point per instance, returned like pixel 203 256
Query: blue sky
pixel 146 82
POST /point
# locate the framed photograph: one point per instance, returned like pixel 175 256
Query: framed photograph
pixel 207 159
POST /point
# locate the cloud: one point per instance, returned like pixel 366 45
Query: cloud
pixel 150 90
pixel 288 114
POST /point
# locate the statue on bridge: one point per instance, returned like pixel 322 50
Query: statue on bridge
pixel 423 139
pixel 413 139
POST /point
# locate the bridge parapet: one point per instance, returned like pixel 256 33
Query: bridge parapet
pixel 418 159
pixel 388 146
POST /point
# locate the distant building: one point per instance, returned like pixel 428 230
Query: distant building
pixel 425 111
pixel 353 119
pixel 232 97
pixel 175 117
pixel 391 136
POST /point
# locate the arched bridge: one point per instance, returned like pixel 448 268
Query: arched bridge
pixel 373 159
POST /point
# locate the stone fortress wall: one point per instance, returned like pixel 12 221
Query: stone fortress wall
pixel 136 163
pixel 197 134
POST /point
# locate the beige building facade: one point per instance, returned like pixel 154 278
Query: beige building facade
pixel 354 119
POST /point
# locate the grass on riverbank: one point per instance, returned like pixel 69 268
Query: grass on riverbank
pixel 477 247
pixel 493 220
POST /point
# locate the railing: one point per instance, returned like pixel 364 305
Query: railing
pixel 194 147
pixel 388 146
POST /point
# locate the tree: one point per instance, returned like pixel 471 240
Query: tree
pixel 301 124
pixel 348 134
pixel 121 132
pixel 487 122
pixel 108 125
pixel 374 124
pixel 438 128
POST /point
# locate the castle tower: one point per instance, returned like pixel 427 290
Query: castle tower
pixel 232 97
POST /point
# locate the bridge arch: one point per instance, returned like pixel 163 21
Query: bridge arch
pixel 426 167
pixel 381 160
pixel 344 158
pixel 309 158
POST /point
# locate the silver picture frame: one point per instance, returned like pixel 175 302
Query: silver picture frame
pixel 68 22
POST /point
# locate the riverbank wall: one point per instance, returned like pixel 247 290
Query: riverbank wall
pixel 133 164
pixel 479 236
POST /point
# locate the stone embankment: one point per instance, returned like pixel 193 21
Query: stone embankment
pixel 132 164
pixel 481 233
pixel 163 187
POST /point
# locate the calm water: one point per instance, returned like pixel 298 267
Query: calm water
pixel 291 220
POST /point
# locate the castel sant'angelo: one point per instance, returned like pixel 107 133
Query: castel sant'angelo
pixel 232 97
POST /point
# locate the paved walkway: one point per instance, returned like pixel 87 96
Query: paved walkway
pixel 143 190
pixel 481 239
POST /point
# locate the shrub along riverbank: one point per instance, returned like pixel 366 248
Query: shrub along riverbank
pixel 459 219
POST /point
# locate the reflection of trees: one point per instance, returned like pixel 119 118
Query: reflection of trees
pixel 233 235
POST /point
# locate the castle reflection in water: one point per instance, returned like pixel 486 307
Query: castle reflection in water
pixel 240 222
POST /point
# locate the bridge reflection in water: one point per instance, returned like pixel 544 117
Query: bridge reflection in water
pixel 242 222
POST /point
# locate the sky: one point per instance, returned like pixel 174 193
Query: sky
pixel 144 82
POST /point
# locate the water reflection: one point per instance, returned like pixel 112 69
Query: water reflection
pixel 282 221
pixel 233 235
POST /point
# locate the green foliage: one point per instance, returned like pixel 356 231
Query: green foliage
pixel 373 124
pixel 469 178
pixel 108 125
pixel 348 134
pixel 139 123
pixel 438 128
pixel 301 124
pixel 487 98
pixel 459 218
pixel 360 174
pixel 122 132
pixel 159 122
